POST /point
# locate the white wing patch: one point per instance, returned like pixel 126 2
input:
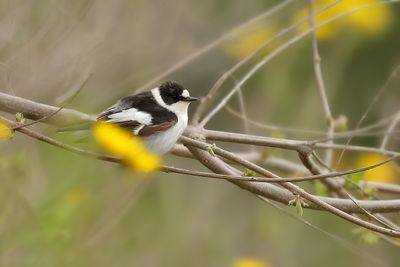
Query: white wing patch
pixel 131 114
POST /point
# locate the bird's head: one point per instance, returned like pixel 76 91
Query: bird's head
pixel 172 92
pixel 175 96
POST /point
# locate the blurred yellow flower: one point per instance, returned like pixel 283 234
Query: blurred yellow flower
pixel 249 262
pixel 128 147
pixel 247 41
pixel 369 21
pixel 386 173
pixel 5 131
pixel 75 197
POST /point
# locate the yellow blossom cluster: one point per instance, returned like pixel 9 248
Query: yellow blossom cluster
pixel 125 145
pixel 364 17
pixel 247 41
pixel 386 173
pixel 369 21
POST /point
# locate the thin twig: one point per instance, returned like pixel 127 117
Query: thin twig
pixel 57 110
pixel 378 95
pixel 289 144
pixel 277 179
pixel 390 129
pixel 360 132
pixel 321 85
pixel 343 193
pixel 35 111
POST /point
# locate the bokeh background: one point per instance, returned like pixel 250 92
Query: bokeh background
pixel 59 209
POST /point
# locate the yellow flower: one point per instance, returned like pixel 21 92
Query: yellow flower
pixel 5 131
pixel 128 147
pixel 385 173
pixel 245 42
pixel 248 262
pixel 75 197
pixel 369 21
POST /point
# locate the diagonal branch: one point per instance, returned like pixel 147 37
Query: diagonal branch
pixel 35 111
pixel 219 166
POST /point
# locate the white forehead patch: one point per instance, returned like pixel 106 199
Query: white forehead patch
pixel 185 93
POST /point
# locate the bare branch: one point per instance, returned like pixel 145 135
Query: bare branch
pixel 217 166
pixel 289 144
pixel 321 85
pixel 390 129
pixel 277 179
pixel 360 132
pixel 76 92
pixel 35 111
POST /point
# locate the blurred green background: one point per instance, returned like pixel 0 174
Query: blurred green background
pixel 59 209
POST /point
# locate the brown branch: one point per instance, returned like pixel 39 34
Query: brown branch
pixel 289 144
pixel 264 189
pixel 49 116
pixel 35 111
pixel 218 166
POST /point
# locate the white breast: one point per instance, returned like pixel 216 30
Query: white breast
pixel 163 142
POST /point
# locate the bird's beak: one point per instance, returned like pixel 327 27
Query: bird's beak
pixel 191 99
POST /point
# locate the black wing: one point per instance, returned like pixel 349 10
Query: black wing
pixel 140 114
pixel 134 101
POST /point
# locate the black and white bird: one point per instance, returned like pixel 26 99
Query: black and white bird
pixel 158 116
